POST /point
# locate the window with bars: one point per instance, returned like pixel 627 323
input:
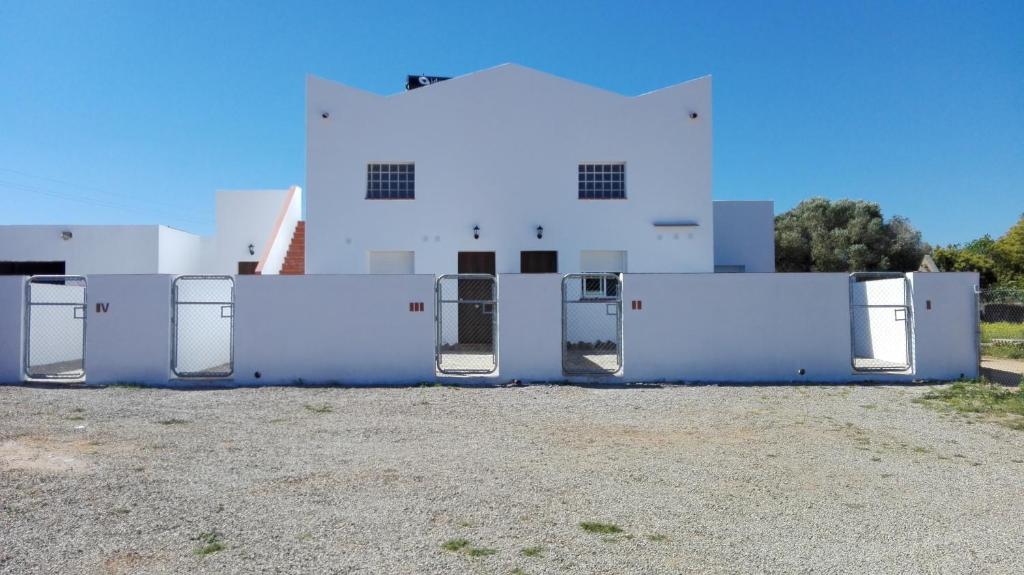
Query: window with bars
pixel 391 181
pixel 602 181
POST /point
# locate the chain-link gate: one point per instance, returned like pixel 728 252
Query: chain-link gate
pixel 55 327
pixel 880 321
pixel 467 324
pixel 203 326
pixel 591 323
pixel 1001 327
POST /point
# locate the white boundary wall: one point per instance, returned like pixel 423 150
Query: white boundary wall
pixel 12 301
pixel 358 329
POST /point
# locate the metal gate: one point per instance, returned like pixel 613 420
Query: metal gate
pixel 880 322
pixel 203 326
pixel 591 323
pixel 55 327
pixel 467 324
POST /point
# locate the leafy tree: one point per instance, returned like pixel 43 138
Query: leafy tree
pixel 846 235
pixel 954 258
pixel 1009 252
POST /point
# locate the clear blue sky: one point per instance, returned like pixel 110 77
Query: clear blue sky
pixel 136 111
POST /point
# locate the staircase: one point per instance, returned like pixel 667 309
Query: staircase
pixel 295 261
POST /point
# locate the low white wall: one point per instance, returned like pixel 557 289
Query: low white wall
pixel 737 327
pixel 325 328
pixel 530 326
pixel 946 345
pixel 129 342
pixel 359 329
pixel 12 298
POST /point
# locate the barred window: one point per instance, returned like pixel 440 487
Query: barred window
pixel 602 181
pixel 391 181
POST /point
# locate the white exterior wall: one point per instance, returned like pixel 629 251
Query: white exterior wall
pixel 345 329
pixel 91 250
pixel 499 149
pixel 942 347
pixel 129 342
pixel 179 252
pixel 745 235
pixel 243 218
pixel 358 329
pixel 12 301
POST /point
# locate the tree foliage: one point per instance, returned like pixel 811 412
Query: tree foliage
pixel 820 235
pixel 998 262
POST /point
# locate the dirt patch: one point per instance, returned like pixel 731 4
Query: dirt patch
pixel 44 455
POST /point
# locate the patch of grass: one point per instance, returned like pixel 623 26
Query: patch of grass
pixel 876 459
pixel 1003 351
pixel 210 542
pixel 480 551
pixel 320 408
pixel 455 544
pixel 532 551
pixel 602 528
pixel 172 421
pixel 461 545
pixel 657 538
pixel 75 418
pixel 999 404
pixel 1001 330
pixel 870 406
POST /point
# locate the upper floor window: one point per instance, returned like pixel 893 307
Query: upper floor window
pixel 602 181
pixel 391 181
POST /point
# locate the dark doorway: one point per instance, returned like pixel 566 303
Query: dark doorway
pixel 538 262
pixel 247 268
pixel 475 319
pixel 32 268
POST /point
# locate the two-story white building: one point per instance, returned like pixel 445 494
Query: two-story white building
pixel 514 170
pixel 505 170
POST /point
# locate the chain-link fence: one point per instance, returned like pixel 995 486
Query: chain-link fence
pixel 55 327
pixel 1002 322
pixel 467 324
pixel 203 321
pixel 591 323
pixel 880 323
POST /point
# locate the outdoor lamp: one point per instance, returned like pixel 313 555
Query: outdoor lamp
pixel 476 232
pixel 66 235
pixel 540 232
pixel 252 250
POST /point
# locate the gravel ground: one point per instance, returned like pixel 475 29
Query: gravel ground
pixel 700 479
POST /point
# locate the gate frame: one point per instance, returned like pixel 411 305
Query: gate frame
pixel 439 319
pixel 908 306
pixel 174 327
pixel 618 327
pixel 27 336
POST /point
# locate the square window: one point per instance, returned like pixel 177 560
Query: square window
pixel 390 181
pixel 602 181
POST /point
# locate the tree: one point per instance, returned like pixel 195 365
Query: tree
pixel 954 258
pixel 843 236
pixel 1008 252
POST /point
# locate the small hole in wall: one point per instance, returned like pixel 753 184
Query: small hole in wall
pixel 257 375
pixel 801 371
pixel 928 304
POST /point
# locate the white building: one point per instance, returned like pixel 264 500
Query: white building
pixel 513 170
pixel 505 170
pixel 254 229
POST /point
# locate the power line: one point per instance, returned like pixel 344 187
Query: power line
pixel 17 187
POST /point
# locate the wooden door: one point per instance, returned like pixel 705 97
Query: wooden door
pixel 475 320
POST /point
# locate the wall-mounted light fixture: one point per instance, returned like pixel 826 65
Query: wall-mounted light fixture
pixel 252 250
pixel 540 232
pixel 476 232
pixel 66 235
